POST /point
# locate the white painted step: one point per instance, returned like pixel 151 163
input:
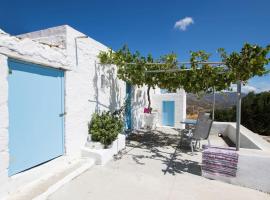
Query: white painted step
pixel 47 184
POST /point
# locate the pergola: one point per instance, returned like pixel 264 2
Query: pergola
pixel 249 62
pixel 213 64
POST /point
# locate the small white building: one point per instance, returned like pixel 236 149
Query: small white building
pixel 51 83
pixel 169 108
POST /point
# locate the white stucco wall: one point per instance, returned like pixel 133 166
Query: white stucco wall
pixel 4 155
pixel 138 102
pixel 83 88
pixel 55 36
pixel 31 51
pixel 83 92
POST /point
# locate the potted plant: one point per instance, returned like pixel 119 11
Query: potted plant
pixel 103 129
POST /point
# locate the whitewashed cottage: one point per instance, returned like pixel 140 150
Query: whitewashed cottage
pixel 51 83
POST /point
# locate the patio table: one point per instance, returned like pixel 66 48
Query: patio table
pixel 190 123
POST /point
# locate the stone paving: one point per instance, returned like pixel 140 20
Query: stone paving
pixel 153 168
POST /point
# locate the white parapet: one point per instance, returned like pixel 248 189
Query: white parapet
pixel 101 155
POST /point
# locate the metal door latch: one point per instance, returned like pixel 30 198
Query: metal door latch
pixel 62 114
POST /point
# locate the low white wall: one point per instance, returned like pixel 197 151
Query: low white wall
pixel 102 156
pixel 253 169
pixel 248 139
pixel 218 127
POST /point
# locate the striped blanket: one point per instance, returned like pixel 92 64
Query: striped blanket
pixel 219 161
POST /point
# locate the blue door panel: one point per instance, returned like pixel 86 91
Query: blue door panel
pixel 168 113
pixel 35 124
pixel 128 118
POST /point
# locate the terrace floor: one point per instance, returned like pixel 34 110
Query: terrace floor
pixel 152 167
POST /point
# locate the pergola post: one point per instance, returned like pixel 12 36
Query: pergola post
pixel 214 103
pixel 238 115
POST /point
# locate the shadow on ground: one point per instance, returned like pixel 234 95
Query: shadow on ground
pixel 163 146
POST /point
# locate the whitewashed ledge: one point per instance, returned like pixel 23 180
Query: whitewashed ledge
pixel 101 156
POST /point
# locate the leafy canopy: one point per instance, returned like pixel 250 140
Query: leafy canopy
pixel 200 76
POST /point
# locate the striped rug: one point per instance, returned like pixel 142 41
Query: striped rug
pixel 219 161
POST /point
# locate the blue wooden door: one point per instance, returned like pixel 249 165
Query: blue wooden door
pixel 168 113
pixel 128 119
pixel 36 107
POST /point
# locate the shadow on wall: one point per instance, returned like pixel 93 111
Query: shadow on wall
pixel 138 104
pixel 105 81
pixel 107 94
pixel 115 99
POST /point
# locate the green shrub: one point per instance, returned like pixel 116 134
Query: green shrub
pixel 254 113
pixel 105 127
pixel 225 115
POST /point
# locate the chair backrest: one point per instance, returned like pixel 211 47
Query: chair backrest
pixel 203 127
pixel 203 115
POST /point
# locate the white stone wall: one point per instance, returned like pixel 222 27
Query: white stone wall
pixel 83 88
pixel 4 155
pixel 31 51
pixel 180 106
pixel 55 36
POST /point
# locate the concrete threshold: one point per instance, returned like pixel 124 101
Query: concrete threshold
pixel 62 171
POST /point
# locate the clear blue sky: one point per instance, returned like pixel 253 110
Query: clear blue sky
pixel 148 25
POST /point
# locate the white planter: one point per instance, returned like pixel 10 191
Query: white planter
pixel 94 145
pixel 150 120
pixel 100 155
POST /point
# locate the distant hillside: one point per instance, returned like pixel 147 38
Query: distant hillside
pixel 204 103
